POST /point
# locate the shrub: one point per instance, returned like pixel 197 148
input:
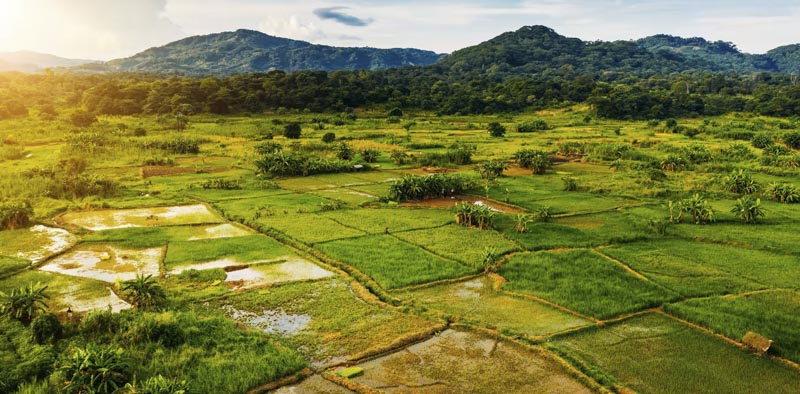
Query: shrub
pixel 395 113
pixel 158 385
pixel 459 156
pixel 399 157
pixel 15 214
pixel 139 132
pixel 24 303
pixel 491 169
pixel 697 206
pixel 739 182
pixel 535 125
pixel 671 123
pixel 792 140
pixel 782 192
pixel 221 184
pixel 537 161
pixel 496 129
pixel 81 118
pixel 370 155
pixel 761 141
pixel 344 152
pixel 95 369
pixel 46 328
pixel 570 148
pixel 674 163
pixel 268 147
pixel 292 131
pixel 292 163
pixel 328 138
pixel 416 187
pixel 570 183
pixel 474 215
pixel 180 145
pixel 748 209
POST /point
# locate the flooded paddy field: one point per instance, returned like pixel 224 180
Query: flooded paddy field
pixel 106 263
pixel 140 217
pixel 456 361
pixel 35 243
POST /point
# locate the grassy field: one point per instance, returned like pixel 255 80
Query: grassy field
pixel 597 241
pixel 774 314
pixel 477 302
pixel 583 281
pixel 392 262
pixel 686 360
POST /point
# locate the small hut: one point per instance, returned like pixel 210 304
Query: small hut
pixel 757 343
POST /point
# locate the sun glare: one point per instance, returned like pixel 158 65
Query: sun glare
pixel 10 19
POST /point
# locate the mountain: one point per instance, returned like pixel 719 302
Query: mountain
pixel 723 55
pixel 247 51
pixel 30 62
pixel 539 49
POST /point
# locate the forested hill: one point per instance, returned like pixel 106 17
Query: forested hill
pixel 540 50
pixel 248 51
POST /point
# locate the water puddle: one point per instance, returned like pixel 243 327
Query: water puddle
pixel 225 230
pixel 274 321
pixel 106 264
pixel 141 217
pixel 259 275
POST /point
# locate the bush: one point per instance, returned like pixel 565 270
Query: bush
pixel 415 187
pixel 221 184
pixel 46 328
pixel 395 113
pixel 534 125
pixel 491 169
pixel 674 163
pixel 370 155
pixel 792 140
pixel 292 131
pixel 178 145
pixel 158 385
pixel 537 161
pixel 739 182
pixel 292 164
pixel 95 369
pixel 458 156
pixel 139 132
pixel 268 147
pixel 81 118
pixel 496 129
pixel 328 138
pixel 782 192
pixel 344 152
pixel 761 141
pixel 474 215
pixel 15 214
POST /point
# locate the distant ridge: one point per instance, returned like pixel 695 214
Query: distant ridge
pixel 31 62
pixel 247 51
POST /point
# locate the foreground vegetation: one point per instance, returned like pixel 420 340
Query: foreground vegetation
pixel 543 234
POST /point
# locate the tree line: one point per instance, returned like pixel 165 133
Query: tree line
pixel 435 89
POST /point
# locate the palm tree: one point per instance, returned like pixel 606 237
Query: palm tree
pixel 144 291
pixel 747 209
pixel 699 208
pixel 24 303
pixel 739 182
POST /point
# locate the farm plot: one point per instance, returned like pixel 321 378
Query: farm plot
pixel 106 263
pixel 148 237
pixel 655 354
pixel 477 302
pixel 81 295
pixel 392 262
pixel 582 281
pixel 699 269
pixel 773 314
pixel 459 362
pixel 323 320
pixel 376 221
pixel 460 243
pixel 309 228
pixel 141 217
pixel 35 243
pixel 224 252
pixel 266 274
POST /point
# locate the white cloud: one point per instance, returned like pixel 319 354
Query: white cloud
pixel 292 27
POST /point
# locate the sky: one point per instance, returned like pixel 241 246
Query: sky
pixel 108 29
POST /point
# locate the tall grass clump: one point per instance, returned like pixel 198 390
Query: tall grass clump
pixel 416 187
